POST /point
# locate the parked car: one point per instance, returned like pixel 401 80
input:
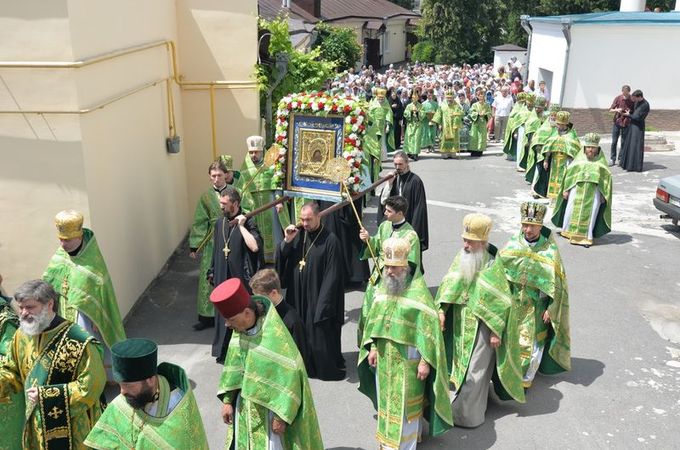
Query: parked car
pixel 667 198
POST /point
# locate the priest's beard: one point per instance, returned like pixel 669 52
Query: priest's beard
pixel 395 284
pixel 471 263
pixel 35 324
pixel 140 400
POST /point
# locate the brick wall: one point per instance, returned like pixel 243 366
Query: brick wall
pixel 600 120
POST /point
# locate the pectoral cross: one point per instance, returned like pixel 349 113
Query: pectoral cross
pixel 226 250
pixel 302 264
pixel 523 280
pixel 64 287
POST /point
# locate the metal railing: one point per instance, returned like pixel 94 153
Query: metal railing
pixel 191 85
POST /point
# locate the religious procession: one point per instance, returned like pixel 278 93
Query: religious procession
pixel 303 271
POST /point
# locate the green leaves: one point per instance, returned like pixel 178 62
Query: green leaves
pixel 337 44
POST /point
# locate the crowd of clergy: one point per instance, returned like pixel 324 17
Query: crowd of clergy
pixel 271 286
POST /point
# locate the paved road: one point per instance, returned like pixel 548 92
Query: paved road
pixel 624 388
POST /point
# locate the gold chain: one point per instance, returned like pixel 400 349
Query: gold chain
pixel 302 262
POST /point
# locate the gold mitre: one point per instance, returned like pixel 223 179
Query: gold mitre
pixel 476 227
pixel 255 143
pixel 533 213
pixel 591 140
pixel 380 92
pixel 396 251
pixel 449 94
pixel 562 117
pixel 69 224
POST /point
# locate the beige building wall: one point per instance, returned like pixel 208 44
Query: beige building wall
pixel 111 163
pixel 394 41
pixel 218 41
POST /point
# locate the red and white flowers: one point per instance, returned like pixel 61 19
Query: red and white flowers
pixel 323 104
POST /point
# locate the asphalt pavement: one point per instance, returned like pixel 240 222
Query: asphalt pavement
pixel 624 387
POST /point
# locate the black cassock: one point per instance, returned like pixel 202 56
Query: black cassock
pixel 410 185
pixel 240 263
pixel 293 322
pixel 343 224
pixel 397 117
pixel 633 149
pixel 317 293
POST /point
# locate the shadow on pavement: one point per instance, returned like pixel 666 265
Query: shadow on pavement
pixel 169 303
pixel 652 166
pixel 351 363
pixel 614 239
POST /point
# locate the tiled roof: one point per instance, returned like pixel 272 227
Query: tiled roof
pixel 332 10
pixel 270 9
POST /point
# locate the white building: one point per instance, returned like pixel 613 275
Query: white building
pixel 504 53
pixel 586 58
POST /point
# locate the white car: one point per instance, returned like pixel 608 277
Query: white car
pixel 667 198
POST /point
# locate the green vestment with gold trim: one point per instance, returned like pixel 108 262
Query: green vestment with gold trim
pixel 268 374
pixel 531 126
pixel 257 189
pixel 65 364
pixel 12 411
pixel 486 297
pixel 413 134
pixel 516 119
pixel 561 149
pixel 201 238
pixel 123 427
pixel 429 131
pixel 380 125
pixel 583 180
pixel 85 287
pixel 538 140
pixel 450 118
pixel 385 231
pixel 538 282
pixel 480 113
pixel 394 324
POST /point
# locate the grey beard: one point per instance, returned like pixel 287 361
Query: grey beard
pixel 39 323
pixel 395 285
pixel 470 264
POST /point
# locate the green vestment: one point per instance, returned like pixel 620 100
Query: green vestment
pixel 534 155
pixel 122 427
pixel 394 324
pixel 450 118
pixel 257 190
pixel 561 149
pixel 583 180
pixel 516 119
pixel 531 125
pixel 201 238
pixel 385 231
pixel 429 131
pixel 486 297
pixel 381 125
pixel 537 279
pixel 65 364
pixel 413 133
pixel 11 412
pixel 84 285
pixel 266 371
pixel 480 113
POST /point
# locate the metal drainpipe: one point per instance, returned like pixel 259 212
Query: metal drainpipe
pixel 524 21
pixel 566 31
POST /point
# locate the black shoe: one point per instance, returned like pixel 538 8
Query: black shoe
pixel 200 326
pixel 220 360
pixel 415 157
pixel 612 163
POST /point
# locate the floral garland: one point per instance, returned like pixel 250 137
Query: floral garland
pixel 323 104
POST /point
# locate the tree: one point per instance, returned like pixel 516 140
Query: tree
pixel 306 71
pixel 337 44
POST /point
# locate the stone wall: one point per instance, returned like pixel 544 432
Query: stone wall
pixel 600 120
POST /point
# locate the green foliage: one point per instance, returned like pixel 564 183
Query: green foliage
pixel 423 51
pixel 338 44
pixel 465 30
pixel 306 71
